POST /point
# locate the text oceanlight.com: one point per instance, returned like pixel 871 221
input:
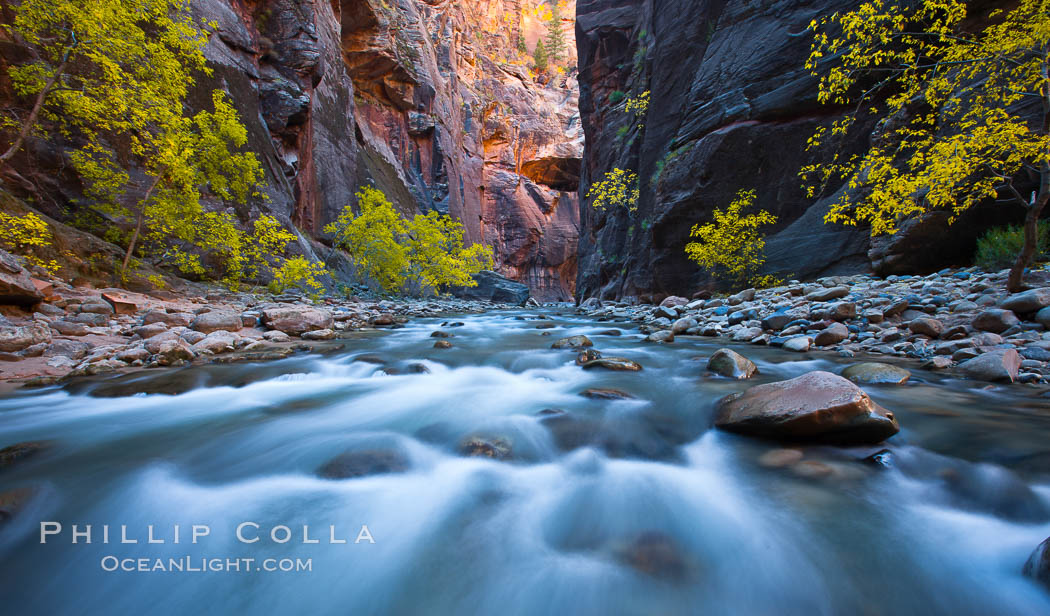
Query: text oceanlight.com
pixel 197 564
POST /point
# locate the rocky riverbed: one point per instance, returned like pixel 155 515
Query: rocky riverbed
pixel 63 331
pixel 959 320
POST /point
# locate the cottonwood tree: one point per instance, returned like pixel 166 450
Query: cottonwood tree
pixel 425 253
pixel 114 75
pixel 965 109
pixel 732 246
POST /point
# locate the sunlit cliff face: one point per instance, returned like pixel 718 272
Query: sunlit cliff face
pixel 452 115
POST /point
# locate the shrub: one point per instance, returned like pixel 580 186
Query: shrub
pixel 619 187
pixel 157 281
pixel 638 104
pixel 436 256
pixel 616 96
pixel 426 252
pixel 26 236
pixel 732 246
pixel 299 273
pixel 998 248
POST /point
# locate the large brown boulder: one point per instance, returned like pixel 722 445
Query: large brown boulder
pixel 297 319
pixel 16 285
pixel 818 406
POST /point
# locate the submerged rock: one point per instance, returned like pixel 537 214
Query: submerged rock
pixel 587 355
pixel 364 462
pixel 442 344
pixel 14 501
pixel 600 393
pixel 657 554
pixel 729 363
pixel 19 452
pixel 882 458
pixel 1038 565
pixel 497 448
pixel 779 458
pixel 818 406
pixel 875 373
pixel 572 342
pixel 613 363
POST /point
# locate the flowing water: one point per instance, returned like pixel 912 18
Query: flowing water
pixel 613 507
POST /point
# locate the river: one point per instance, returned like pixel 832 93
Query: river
pixel 631 506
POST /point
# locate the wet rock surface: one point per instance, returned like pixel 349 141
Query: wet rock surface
pixel 818 406
pixel 12 455
pixel 729 363
pixel 874 373
pixel 363 463
pixel 1037 566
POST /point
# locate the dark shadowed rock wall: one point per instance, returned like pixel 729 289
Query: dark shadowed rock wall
pixel 731 108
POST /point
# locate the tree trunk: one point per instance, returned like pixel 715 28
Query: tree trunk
pixel 1014 282
pixel 1039 200
pixel 138 229
pixel 27 127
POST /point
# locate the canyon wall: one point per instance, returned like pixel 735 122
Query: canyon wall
pixel 731 108
pixel 429 100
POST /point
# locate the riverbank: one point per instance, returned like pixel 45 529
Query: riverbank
pixel 82 331
pixel 959 320
pixel 962 321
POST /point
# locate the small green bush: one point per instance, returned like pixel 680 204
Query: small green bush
pixel 616 96
pixel 998 248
